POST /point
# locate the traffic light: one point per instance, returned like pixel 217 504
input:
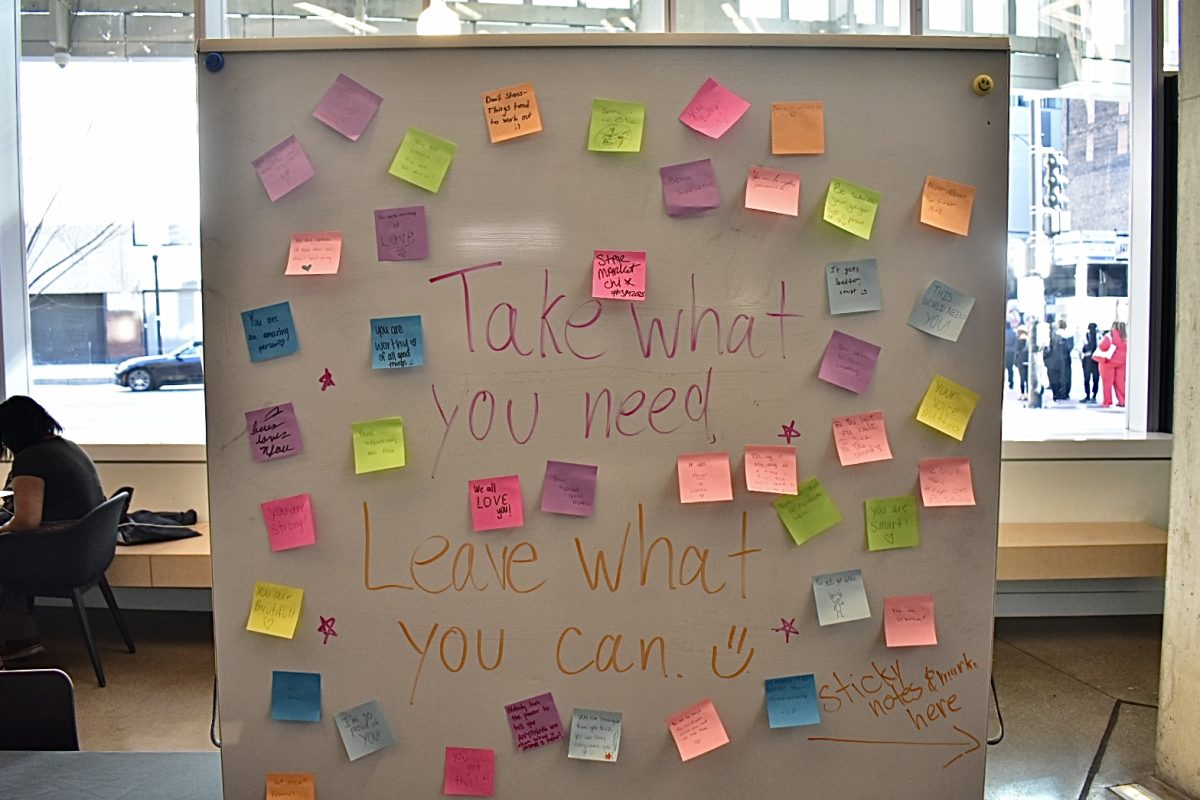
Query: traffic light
pixel 1057 215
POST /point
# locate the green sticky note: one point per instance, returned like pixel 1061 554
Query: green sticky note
pixel 851 207
pixel 423 159
pixel 616 126
pixel 892 523
pixel 807 513
pixel 378 444
pixel 947 407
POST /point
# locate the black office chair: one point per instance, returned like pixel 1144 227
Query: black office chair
pixel 39 710
pixel 66 562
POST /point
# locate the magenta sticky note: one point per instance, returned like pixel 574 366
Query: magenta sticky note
pixel 284 167
pixel 348 107
pixel 909 621
pixel 689 188
pixel 289 522
pixel 848 362
pixel 496 503
pixel 401 234
pixel 534 722
pixel 469 772
pixel 274 432
pixel 619 274
pixel 569 488
pixel 713 110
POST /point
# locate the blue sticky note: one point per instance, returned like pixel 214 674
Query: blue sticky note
pixel 364 729
pixel 792 701
pixel 270 331
pixel 841 597
pixel 296 696
pixel 397 342
pixel 853 286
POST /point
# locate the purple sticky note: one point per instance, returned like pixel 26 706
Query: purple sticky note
pixel 284 167
pixel 289 522
pixel 569 489
pixel 274 432
pixel 713 110
pixel 401 234
pixel 689 188
pixel 848 362
pixel 534 722
pixel 348 107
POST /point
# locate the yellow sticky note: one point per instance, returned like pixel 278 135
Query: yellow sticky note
pixel 947 407
pixel 798 128
pixel 378 444
pixel 511 112
pixel 947 205
pixel 423 160
pixel 616 126
pixel 291 786
pixel 275 609
pixel 851 207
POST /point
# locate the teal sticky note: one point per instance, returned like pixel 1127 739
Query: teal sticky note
pixel 853 286
pixel 792 701
pixel 296 696
pixel 942 311
pixel 364 729
pixel 397 342
pixel 270 331
pixel 840 597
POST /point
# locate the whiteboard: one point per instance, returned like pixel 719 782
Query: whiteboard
pixel 704 586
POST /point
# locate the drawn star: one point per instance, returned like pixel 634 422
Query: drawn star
pixel 789 431
pixel 787 627
pixel 326 381
pixel 608 756
pixel 326 627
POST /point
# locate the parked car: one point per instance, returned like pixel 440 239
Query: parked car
pixel 184 364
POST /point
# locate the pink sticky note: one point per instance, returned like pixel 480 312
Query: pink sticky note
pixel 289 522
pixel 348 107
pixel 773 190
pixel 697 730
pixel 534 721
pixel 496 503
pixel 704 477
pixel 861 438
pixel 469 772
pixel 619 274
pixel 317 253
pixel 946 482
pixel 401 234
pixel 848 362
pixel 569 489
pixel 908 621
pixel 284 167
pixel 771 468
pixel 713 110
pixel 274 432
pixel 689 188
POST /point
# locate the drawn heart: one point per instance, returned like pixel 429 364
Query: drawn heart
pixel 306 267
pixel 890 538
pixel 268 622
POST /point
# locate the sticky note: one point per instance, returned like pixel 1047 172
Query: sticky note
pixel 273 432
pixel 595 735
pixel 892 523
pixel 616 126
pixel 810 512
pixel 947 407
pixel 840 597
pixel 619 274
pixel 423 160
pixel 397 342
pixel 291 786
pixel 947 205
pixel 848 362
pixel 770 468
pixel 364 729
pixel 348 107
pixel 861 438
pixel 270 332
pixel 773 190
pixel 295 696
pixel 689 188
pixel 946 482
pixel 792 701
pixel 496 503
pixel 511 112
pixel 469 772
pixel 713 110
pixel 853 286
pixel 401 234
pixel 941 311
pixel 289 522
pixel 283 168
pixel 851 208
pixel 569 488
pixel 378 444
pixel 534 721
pixel 275 609
pixel 908 621
pixel 704 477
pixel 697 730
pixel 318 253
pixel 798 128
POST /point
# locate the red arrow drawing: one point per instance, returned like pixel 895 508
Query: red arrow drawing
pixel 970 742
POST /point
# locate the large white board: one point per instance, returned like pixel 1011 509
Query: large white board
pixel 741 295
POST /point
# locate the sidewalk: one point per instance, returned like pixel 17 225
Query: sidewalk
pixel 71 374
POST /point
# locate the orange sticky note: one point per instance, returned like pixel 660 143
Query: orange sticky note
pixel 291 786
pixel 511 112
pixel 697 730
pixel 947 205
pixel 798 128
pixel 315 253
pixel 704 477
pixel 771 468
pixel 946 482
pixel 861 438
pixel 773 190
pixel 908 621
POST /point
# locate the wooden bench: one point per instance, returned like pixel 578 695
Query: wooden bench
pixel 1032 551
pixel 186 563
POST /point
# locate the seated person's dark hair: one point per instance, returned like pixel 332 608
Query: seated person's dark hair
pixel 24 422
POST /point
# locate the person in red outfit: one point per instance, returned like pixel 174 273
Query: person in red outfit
pixel 1112 369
